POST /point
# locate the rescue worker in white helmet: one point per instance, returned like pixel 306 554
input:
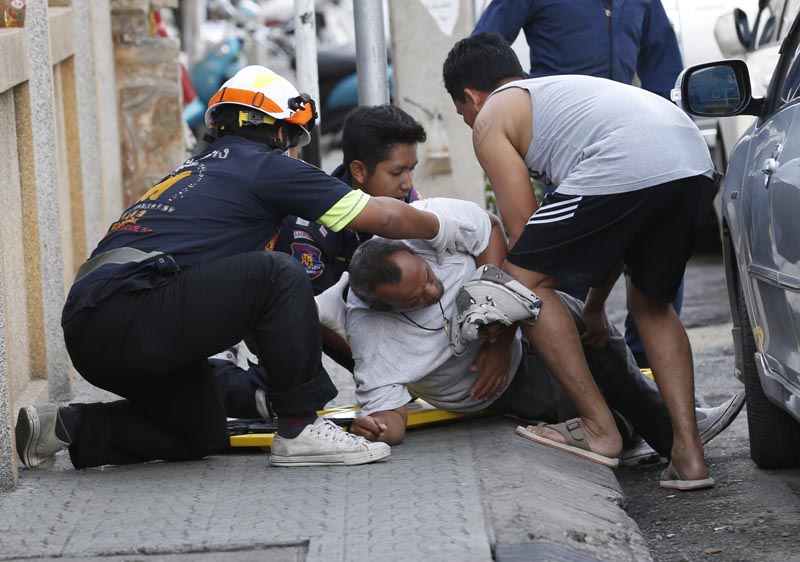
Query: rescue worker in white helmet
pixel 183 274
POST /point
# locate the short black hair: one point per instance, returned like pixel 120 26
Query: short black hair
pixel 370 132
pixel 371 265
pixel 480 62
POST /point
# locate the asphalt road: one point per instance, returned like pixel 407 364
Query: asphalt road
pixel 752 515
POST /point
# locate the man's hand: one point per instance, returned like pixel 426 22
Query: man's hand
pixel 388 426
pixel 369 427
pixel 494 359
pixel 331 306
pixel 596 334
pixel 450 235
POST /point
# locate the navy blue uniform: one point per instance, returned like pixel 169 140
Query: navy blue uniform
pixel 143 329
pixel 227 200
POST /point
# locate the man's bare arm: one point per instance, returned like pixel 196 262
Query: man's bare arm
pixel 594 310
pixel 388 426
pixel 500 145
pixel 496 250
pixel 332 339
pixel 391 218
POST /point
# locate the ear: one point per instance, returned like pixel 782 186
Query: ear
pixel 476 97
pixel 358 170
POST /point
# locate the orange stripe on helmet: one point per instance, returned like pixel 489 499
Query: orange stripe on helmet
pixel 246 97
pixel 259 101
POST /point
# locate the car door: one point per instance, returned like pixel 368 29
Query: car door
pixel 773 200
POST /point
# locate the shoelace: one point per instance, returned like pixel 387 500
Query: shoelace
pixel 333 432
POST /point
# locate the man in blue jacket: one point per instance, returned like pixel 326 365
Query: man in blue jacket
pixel 603 38
pixel 600 38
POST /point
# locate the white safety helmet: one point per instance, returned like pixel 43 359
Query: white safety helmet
pixel 259 88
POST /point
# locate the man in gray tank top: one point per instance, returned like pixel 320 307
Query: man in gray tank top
pixel 633 178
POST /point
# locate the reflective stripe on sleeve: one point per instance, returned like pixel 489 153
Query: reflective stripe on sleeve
pixel 345 210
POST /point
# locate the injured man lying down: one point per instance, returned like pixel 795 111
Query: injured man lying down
pixel 447 332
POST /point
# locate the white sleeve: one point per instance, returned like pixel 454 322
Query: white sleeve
pixel 380 372
pixel 466 211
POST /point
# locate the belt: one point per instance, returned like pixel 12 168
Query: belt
pixel 117 255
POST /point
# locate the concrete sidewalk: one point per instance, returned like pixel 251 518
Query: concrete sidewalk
pixel 466 491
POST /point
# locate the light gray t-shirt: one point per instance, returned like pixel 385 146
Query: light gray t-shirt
pixel 593 136
pixel 394 358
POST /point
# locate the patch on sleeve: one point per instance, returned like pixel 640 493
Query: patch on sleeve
pixel 302 234
pixel 310 257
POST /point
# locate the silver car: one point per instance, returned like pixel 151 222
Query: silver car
pixel 761 240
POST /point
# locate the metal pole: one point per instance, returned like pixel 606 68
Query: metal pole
pixel 373 82
pixel 305 36
pixel 193 14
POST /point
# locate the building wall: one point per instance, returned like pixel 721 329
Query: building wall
pixel 422 35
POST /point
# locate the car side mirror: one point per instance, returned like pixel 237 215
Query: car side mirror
pixel 732 32
pixel 716 89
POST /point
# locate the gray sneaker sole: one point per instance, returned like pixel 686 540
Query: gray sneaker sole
pixel 28 431
pixel 338 459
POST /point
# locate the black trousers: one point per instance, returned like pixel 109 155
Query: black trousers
pixel 238 386
pixel 151 348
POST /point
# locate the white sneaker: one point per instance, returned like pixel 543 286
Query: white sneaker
pixel 324 443
pixel 711 421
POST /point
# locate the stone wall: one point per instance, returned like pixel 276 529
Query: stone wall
pixel 150 100
pixel 58 182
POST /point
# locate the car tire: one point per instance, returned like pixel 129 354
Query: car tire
pixel 774 434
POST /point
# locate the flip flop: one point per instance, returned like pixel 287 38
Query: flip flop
pixel 576 443
pixel 671 480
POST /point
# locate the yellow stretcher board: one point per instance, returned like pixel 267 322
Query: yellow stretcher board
pixel 420 413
